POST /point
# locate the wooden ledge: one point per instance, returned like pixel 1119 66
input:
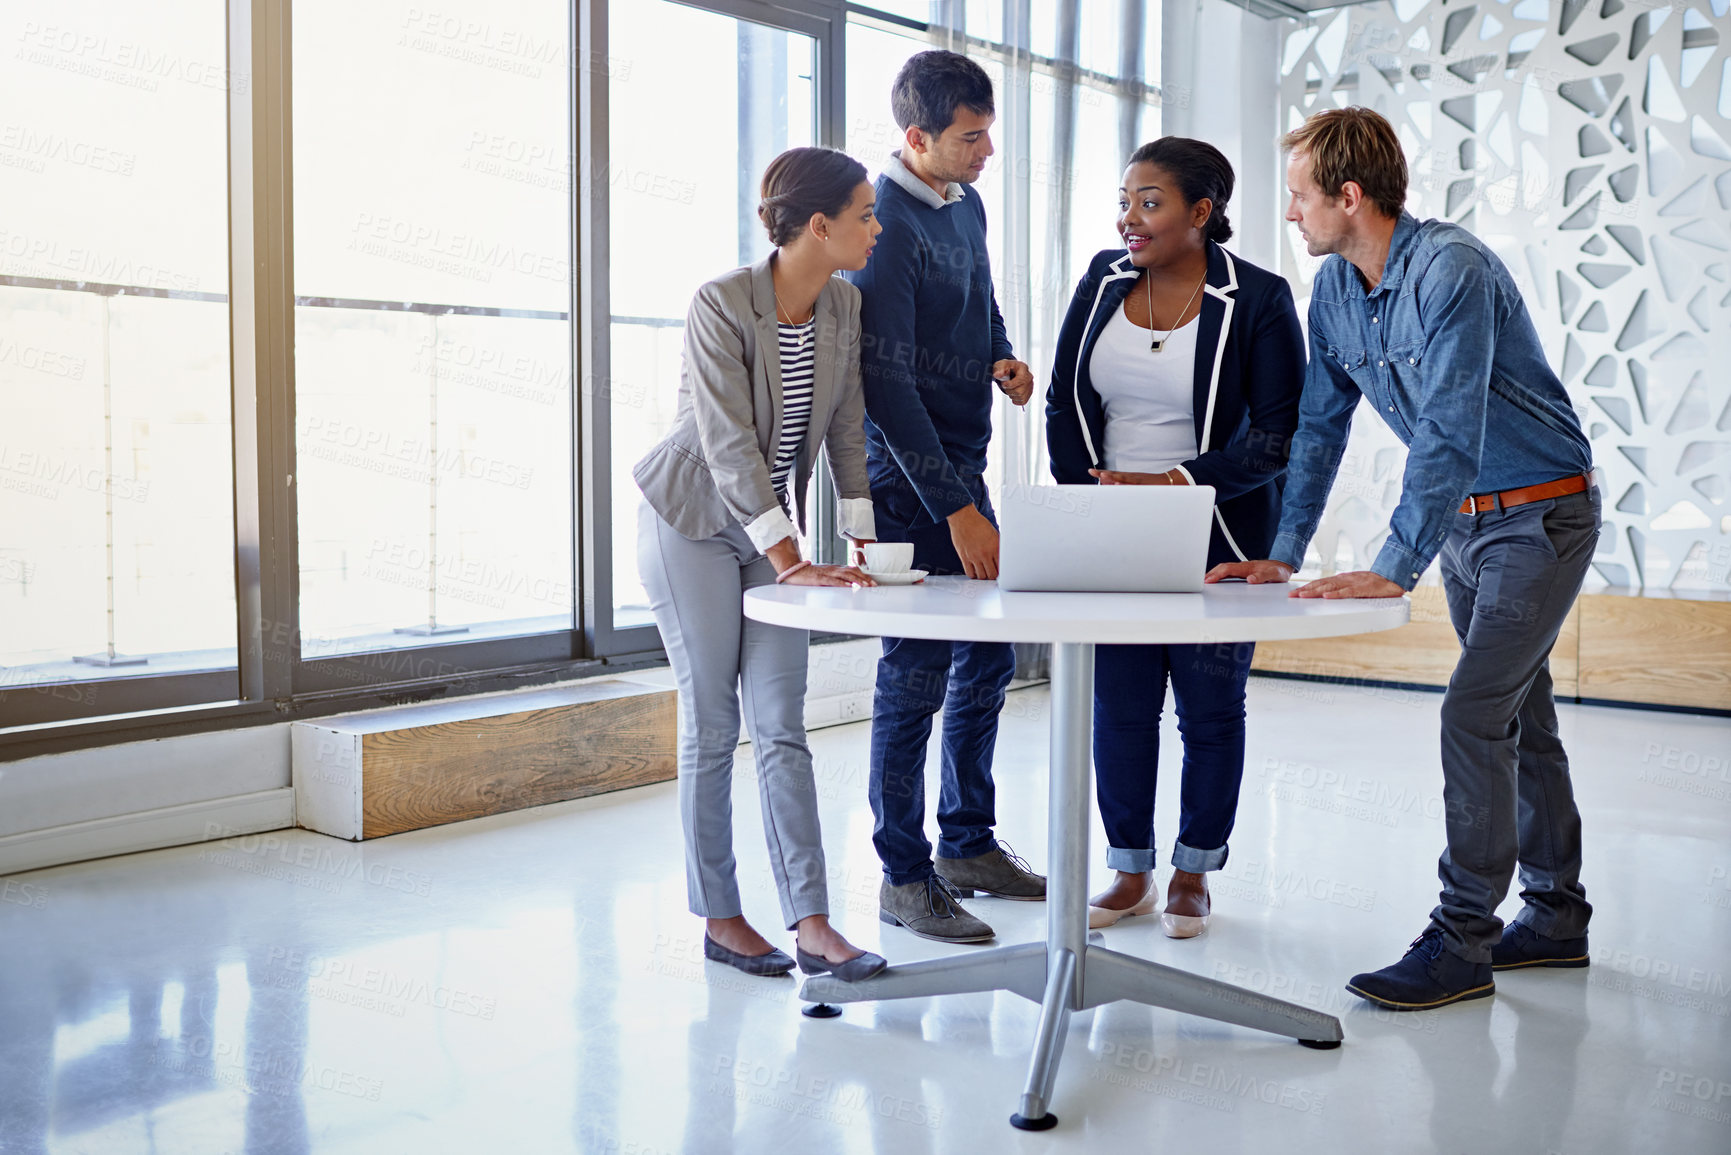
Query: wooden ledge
pixel 360 776
pixel 1663 648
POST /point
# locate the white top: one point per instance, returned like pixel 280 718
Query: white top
pixel 798 360
pixel 1150 398
pixel 956 609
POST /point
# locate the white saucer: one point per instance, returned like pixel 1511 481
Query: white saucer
pixel 905 578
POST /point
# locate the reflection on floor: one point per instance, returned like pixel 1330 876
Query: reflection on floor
pixel 533 983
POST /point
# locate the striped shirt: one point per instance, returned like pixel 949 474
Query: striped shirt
pixel 798 356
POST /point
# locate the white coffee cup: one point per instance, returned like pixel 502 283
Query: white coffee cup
pixel 889 557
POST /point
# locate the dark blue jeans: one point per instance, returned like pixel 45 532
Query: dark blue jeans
pixel 1510 577
pixel 916 678
pixel 1129 693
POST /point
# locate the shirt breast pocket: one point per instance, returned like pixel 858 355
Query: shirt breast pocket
pixel 1354 361
pixel 1406 358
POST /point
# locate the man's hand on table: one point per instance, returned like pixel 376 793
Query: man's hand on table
pixel 1254 572
pixel 976 542
pixel 1357 584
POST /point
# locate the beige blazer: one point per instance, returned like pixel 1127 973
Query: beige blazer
pixel 712 470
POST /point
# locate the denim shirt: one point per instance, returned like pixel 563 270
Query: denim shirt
pixel 1446 352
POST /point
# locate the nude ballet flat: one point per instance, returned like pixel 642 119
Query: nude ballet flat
pixel 1104 916
pixel 1189 891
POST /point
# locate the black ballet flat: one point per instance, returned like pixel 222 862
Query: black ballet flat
pixel 775 962
pixel 851 971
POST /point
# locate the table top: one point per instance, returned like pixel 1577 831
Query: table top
pixel 958 609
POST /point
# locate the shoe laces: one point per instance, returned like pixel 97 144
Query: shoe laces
pixel 1014 859
pixel 940 890
pixel 1429 944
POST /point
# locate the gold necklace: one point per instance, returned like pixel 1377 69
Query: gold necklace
pixel 1155 344
pixel 804 327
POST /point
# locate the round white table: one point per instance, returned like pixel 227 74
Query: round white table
pixel 1067 973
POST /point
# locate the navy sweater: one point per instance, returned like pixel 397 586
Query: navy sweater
pixel 929 332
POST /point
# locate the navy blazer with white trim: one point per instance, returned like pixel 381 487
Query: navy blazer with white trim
pixel 1249 374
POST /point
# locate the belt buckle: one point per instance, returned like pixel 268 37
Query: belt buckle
pixel 1495 506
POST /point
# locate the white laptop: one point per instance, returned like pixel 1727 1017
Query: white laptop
pixel 1104 538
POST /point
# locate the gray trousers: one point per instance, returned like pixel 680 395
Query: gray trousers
pixel 721 658
pixel 1510 577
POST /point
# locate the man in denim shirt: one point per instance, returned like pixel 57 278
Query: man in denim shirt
pixel 1424 322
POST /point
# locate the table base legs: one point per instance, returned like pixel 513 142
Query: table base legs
pixel 1066 973
pixel 1021 969
pixel 1106 976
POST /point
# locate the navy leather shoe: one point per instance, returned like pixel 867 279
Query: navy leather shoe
pixel 1524 947
pixel 1427 976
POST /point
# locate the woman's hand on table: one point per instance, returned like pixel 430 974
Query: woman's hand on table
pixel 829 575
pixel 1123 477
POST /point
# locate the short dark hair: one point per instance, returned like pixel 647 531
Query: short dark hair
pixel 803 182
pixel 1202 172
pixel 932 85
pixel 1353 144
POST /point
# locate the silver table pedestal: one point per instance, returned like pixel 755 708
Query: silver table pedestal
pixel 1066 973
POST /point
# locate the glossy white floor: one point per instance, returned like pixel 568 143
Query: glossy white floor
pixel 532 983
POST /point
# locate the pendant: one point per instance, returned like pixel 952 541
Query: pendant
pixel 1156 346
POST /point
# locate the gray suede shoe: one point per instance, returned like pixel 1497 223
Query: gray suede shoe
pixel 930 909
pixel 1000 872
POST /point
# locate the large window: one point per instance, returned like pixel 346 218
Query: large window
pixel 116 516
pixel 433 188
pixel 329 334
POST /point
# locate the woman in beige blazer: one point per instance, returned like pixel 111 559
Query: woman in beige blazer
pixel 771 376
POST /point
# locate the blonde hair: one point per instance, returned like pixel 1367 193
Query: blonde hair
pixel 1353 144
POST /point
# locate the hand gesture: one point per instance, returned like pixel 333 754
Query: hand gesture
pixel 1015 379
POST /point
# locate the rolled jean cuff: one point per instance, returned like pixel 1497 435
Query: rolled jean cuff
pixel 1129 861
pixel 1194 861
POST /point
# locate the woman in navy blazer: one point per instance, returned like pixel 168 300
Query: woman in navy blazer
pixel 1212 401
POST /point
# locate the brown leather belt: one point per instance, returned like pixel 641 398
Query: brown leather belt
pixel 1509 498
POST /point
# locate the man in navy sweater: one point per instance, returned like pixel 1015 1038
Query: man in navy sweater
pixel 932 347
